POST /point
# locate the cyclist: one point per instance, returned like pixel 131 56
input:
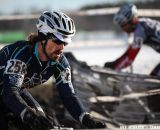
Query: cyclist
pixel 145 30
pixel 25 64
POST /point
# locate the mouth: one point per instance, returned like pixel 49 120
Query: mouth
pixel 56 54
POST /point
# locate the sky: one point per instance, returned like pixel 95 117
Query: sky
pixel 25 6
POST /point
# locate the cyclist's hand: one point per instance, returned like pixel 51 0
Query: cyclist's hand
pixel 92 123
pixel 36 120
pixel 110 65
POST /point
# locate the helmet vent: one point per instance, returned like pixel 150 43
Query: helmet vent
pixel 64 32
pixel 41 18
pixel 69 24
pixel 56 21
pixel 64 24
pixel 50 24
pixel 48 14
pixel 72 24
pixel 57 14
pixel 65 16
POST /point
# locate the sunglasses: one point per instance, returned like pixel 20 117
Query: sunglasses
pixel 59 42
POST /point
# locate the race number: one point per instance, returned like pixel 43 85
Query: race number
pixel 15 66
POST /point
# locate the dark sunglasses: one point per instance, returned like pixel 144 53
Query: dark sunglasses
pixel 59 42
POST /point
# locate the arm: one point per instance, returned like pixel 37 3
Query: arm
pixel 25 94
pixel 127 58
pixel 75 108
pixel 19 100
pixel 69 98
pixel 13 79
pixel 67 93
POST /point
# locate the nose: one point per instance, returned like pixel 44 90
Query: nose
pixel 61 46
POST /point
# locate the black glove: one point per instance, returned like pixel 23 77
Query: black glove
pixel 110 65
pixel 92 123
pixel 36 120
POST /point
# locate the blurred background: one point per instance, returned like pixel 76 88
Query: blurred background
pixel 97 39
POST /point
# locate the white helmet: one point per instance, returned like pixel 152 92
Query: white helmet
pixel 57 24
pixel 125 14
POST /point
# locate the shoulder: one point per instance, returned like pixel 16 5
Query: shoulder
pixel 20 50
pixel 20 43
pixel 143 23
pixel 149 23
pixel 140 29
pixel 144 20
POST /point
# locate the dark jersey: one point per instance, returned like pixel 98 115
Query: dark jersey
pixel 20 68
pixel 147 32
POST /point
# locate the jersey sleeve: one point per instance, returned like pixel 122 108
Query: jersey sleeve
pixel 13 76
pixel 12 81
pixel 66 90
pixel 130 54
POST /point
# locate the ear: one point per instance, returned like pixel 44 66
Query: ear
pixel 41 43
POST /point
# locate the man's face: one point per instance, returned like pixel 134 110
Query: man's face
pixel 53 49
pixel 128 28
